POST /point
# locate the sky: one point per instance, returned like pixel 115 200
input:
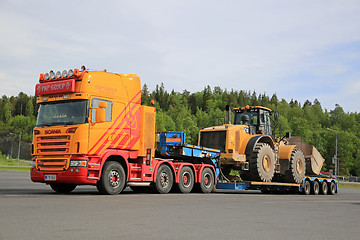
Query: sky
pixel 301 50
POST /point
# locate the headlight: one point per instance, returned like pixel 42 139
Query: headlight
pixel 78 163
pixel 52 74
pixel 71 73
pixel 47 76
pixel 64 74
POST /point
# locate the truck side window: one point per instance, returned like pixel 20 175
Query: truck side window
pixel 108 109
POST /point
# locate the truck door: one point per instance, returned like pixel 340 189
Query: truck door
pixel 113 132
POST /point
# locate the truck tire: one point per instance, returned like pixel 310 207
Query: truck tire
pixel 164 179
pixel 62 187
pixel 332 188
pixel 307 187
pixel 261 164
pixel 207 181
pixel 112 179
pixel 186 180
pixel 296 172
pixel 324 188
pixel 315 187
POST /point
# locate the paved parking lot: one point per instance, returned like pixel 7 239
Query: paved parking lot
pixel 33 211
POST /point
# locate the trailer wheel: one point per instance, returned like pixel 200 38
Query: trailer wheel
pixel 324 188
pixel 307 187
pixel 332 188
pixel 315 187
pixel 164 179
pixel 186 180
pixel 62 187
pixel 296 172
pixel 112 179
pixel 207 181
pixel 262 163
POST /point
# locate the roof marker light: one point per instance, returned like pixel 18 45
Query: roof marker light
pixel 71 73
pixel 52 74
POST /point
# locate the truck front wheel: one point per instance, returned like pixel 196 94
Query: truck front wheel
pixel 62 187
pixel 112 179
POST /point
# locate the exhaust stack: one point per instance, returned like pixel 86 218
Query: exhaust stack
pixel 228 115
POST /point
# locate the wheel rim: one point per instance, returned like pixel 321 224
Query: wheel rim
pixel 207 180
pixel 266 162
pixel 186 179
pixel 164 179
pixel 114 178
pixel 299 166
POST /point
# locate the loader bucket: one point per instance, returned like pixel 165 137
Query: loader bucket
pixel 313 158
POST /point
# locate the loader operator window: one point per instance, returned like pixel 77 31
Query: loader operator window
pixel 108 109
pixel 62 113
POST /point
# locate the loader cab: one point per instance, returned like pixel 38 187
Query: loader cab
pixel 257 118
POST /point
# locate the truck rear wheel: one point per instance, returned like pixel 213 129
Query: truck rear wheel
pixel 112 179
pixel 324 188
pixel 307 187
pixel 332 188
pixel 164 179
pixel 296 172
pixel 206 184
pixel 261 163
pixel 315 187
pixel 62 187
pixel 186 180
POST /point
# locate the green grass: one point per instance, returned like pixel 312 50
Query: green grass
pixel 12 164
pixel 349 185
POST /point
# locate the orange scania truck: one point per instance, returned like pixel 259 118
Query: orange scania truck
pixel 92 130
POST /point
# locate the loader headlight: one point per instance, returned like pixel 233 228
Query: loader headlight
pixel 246 130
pixel 78 163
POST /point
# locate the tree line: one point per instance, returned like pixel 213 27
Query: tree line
pixel 189 112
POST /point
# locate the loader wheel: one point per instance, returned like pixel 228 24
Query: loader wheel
pixel 324 188
pixel 112 179
pixel 315 188
pixel 296 172
pixel 62 187
pixel 164 179
pixel 307 187
pixel 332 188
pixel 261 163
pixel 186 180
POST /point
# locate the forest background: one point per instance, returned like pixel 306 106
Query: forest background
pixel 189 112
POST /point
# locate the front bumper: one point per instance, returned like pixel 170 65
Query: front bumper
pixel 74 175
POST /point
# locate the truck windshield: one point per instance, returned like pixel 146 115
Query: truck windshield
pixel 62 113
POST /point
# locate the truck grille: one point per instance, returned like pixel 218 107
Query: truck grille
pixel 53 153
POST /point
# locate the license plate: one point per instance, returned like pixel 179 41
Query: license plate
pixel 50 177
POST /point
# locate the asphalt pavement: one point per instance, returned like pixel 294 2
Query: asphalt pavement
pixel 33 211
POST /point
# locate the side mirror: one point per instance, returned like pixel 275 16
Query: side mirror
pixel 100 112
pixel 288 135
pixel 276 115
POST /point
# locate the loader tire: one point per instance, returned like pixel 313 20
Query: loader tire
pixel 261 163
pixel 296 171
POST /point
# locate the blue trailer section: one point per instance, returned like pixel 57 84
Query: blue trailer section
pixel 172 144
